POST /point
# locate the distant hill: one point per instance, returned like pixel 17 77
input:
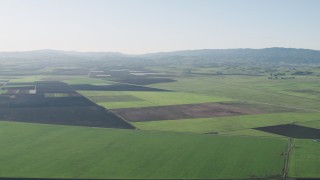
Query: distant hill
pixel 48 54
pixel 267 55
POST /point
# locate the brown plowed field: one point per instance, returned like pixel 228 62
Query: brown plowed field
pixel 187 111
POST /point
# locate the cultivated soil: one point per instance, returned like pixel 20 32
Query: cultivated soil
pixel 188 111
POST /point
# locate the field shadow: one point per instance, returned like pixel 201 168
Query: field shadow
pixel 57 103
pixel 292 130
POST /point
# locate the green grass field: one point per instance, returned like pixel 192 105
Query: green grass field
pixel 312 124
pixel 146 99
pixel 176 149
pixel 25 79
pixel 305 159
pixel 248 89
pixel 86 80
pixel 56 95
pixel 230 123
pixel 2 91
pixel 250 132
pixel 34 150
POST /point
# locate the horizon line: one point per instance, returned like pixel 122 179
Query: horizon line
pixel 154 52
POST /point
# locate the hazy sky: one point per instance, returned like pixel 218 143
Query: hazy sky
pixel 139 26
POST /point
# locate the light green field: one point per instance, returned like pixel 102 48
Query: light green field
pixel 250 132
pixel 302 86
pixel 248 88
pixel 25 79
pixel 56 95
pixel 3 91
pixel 10 85
pixel 151 98
pixel 305 159
pixel 34 150
pixel 68 79
pixel 219 124
pixel 175 149
pixel 312 124
pixel 87 80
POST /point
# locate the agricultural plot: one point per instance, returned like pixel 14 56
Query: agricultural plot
pixel 292 130
pixel 312 124
pixel 56 103
pixel 189 111
pixel 200 125
pixel 25 79
pixel 230 123
pixel 18 88
pixel 250 132
pixel 243 89
pixel 79 152
pixel 114 87
pixel 86 80
pixel 144 80
pixel 306 87
pixel 57 95
pixel 304 159
pixel 148 99
pixel 90 116
pixel 121 98
pixel 70 71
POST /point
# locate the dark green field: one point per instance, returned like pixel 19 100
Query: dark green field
pixel 47 151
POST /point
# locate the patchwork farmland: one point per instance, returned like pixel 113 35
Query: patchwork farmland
pixel 157 123
pixel 54 102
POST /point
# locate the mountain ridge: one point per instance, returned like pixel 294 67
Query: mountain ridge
pixel 240 55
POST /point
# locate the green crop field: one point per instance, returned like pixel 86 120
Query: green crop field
pixel 33 150
pixel 146 99
pixel 243 90
pixel 159 89
pixel 86 80
pixel 25 79
pixel 203 121
pixel 250 132
pixel 312 124
pixel 304 159
pixel 56 95
pixel 230 123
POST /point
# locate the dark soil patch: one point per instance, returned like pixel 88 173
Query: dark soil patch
pixel 116 87
pixel 72 110
pixel 53 87
pixel 20 90
pixel 39 100
pixel 291 130
pixel 91 116
pixel 21 83
pixel 187 111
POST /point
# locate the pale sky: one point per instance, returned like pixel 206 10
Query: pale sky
pixel 142 26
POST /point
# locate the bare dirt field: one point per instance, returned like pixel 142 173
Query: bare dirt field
pixel 187 111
